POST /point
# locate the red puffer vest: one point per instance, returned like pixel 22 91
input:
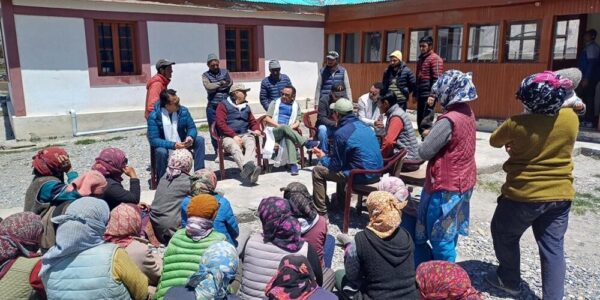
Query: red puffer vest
pixel 453 168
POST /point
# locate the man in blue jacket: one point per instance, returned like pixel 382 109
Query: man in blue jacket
pixel 354 147
pixel 272 85
pixel 170 127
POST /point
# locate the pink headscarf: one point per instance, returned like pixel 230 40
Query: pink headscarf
pixel 124 224
pixel 110 163
pixel 180 161
pixel 91 183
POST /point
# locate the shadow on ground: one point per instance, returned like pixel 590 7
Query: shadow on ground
pixel 478 270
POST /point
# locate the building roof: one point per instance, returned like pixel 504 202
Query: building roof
pixel 316 3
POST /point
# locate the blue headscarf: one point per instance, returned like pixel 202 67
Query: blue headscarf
pixel 454 87
pixel 218 267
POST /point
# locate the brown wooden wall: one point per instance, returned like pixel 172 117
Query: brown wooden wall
pixel 496 82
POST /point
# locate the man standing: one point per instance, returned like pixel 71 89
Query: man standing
pixel 399 79
pixel 236 123
pixel 271 86
pixel 217 83
pixel 429 68
pixel 330 75
pixel 284 116
pixel 157 84
pixel 354 147
pixel 326 121
pixel 589 64
pixel 170 127
pixel 368 112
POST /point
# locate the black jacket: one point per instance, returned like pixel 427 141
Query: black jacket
pixel 116 194
pixel 405 79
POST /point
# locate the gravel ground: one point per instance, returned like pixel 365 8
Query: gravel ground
pixel 475 251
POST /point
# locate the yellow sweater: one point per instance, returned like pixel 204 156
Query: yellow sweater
pixel 540 164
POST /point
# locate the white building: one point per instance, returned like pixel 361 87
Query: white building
pixel 54 50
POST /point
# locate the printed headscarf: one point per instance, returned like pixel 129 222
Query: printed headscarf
pixel 439 280
pixel 124 225
pixel 279 226
pixel 303 208
pixel 396 187
pixel 294 279
pixel 454 87
pixel 544 93
pixel 90 183
pixel 110 163
pixel 46 163
pixel 203 182
pixel 384 213
pixel 295 187
pixel 180 161
pixel 19 236
pixel 218 267
pixel 82 227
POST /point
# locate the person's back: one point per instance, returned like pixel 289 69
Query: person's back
pixel 15 284
pixel 225 221
pixel 165 214
pixel 407 139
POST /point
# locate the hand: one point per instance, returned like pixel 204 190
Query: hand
pixel 425 133
pixel 130 172
pixel 180 145
pixel 188 141
pixel 585 83
pixel 579 106
pixel 430 101
pixel 508 148
pixel 65 163
pixel 295 125
pixel 257 132
pixel 378 124
pixel 143 206
pixel 318 152
pixel 238 140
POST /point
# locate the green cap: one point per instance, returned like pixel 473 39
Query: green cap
pixel 342 106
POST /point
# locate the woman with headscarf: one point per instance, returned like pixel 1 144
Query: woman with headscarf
pixel 82 265
pixel 112 163
pixel 539 182
pixel 205 182
pixel 440 279
pixel 123 229
pixel 443 212
pixel 218 268
pixel 296 280
pixel 263 251
pixel 165 215
pixel 48 184
pixel 19 259
pixel 189 244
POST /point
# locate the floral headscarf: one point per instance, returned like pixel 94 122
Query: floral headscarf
pixel 544 93
pixel 302 204
pixel 90 183
pixel 124 225
pixel 180 161
pixel 279 226
pixel 384 213
pixel 294 279
pixel 396 187
pixel 110 163
pixel 454 87
pixel 218 267
pixel 19 236
pixel 203 182
pixel 45 162
pixel 439 280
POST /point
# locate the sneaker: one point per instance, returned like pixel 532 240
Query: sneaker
pixel 311 144
pixel 294 169
pixel 344 239
pixel 255 174
pixel 248 169
pixel 493 279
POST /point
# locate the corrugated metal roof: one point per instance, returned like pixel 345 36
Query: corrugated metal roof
pixel 318 3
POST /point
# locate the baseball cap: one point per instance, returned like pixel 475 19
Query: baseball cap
pixel 333 55
pixel 239 87
pixel 211 57
pixel 274 64
pixel 161 63
pixel 342 106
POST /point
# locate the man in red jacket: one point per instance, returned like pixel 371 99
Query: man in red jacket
pixel 158 83
pixel 429 68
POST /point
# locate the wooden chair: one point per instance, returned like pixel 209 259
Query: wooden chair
pixel 265 162
pixel 392 164
pixel 221 150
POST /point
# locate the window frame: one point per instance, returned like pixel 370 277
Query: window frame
pixel 386 57
pixel 137 66
pixel 410 50
pixel 334 34
pixel 357 50
pixel 556 36
pixel 438 44
pixel 365 51
pixel 252 48
pixel 476 43
pixel 536 39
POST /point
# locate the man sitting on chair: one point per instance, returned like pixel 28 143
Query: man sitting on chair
pixel 283 116
pixel 170 127
pixel 238 127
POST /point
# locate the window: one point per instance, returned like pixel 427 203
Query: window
pixel 395 41
pixel 565 39
pixel 372 50
pixel 239 49
pixel 334 42
pixel 450 43
pixel 522 41
pixel 352 48
pixel 415 36
pixel 116 48
pixel 483 43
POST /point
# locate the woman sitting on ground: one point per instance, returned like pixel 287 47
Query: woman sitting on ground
pixel 379 262
pixel 170 192
pixel 19 259
pixel 123 229
pixel 82 265
pixel 205 182
pixel 112 163
pixel 440 279
pixel 295 279
pixel 263 251
pixel 189 244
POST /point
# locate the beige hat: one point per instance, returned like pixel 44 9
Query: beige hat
pixel 342 106
pixel 239 87
pixel 397 54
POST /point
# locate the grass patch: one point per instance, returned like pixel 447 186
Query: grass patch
pixel 203 128
pixel 116 138
pixel 85 142
pixel 490 186
pixel 586 202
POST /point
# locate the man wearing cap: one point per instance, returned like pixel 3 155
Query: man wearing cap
pixel 326 121
pixel 430 67
pixel 238 127
pixel 158 83
pixel 368 112
pixel 271 86
pixel 399 79
pixel 354 147
pixel 330 75
pixel 217 83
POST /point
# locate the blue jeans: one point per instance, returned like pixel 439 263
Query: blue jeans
pixel 162 157
pixel 211 114
pixel 328 249
pixel 549 221
pixel 323 134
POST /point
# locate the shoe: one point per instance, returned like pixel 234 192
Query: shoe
pixel 255 174
pixel 495 281
pixel 247 170
pixel 311 144
pixel 344 239
pixel 294 169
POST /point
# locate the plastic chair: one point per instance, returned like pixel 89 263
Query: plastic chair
pixel 265 162
pixel 221 150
